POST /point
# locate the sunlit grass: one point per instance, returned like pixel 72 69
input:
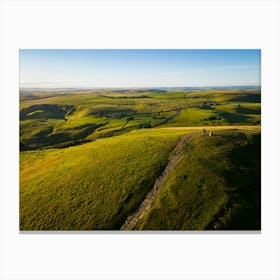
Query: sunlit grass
pixel 216 185
pixel 91 186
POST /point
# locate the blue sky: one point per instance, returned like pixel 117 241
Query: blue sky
pixel 138 68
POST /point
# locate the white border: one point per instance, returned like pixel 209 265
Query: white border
pixel 135 24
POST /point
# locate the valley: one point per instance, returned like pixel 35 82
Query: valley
pixel 95 160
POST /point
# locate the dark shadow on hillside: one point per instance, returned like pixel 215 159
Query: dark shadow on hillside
pixel 246 110
pixel 112 112
pixel 243 209
pixel 251 97
pixel 233 118
pixel 63 139
pixel 46 111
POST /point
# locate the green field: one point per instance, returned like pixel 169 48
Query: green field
pixel 63 119
pixel 88 159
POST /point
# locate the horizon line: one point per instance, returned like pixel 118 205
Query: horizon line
pixel 135 87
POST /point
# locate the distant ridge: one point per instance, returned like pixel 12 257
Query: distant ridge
pixel 154 89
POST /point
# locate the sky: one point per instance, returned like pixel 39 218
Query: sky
pixel 138 68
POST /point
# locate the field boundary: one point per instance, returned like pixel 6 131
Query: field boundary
pixel 132 219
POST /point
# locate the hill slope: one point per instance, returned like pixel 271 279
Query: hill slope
pixel 94 185
pixel 216 185
pixel 55 120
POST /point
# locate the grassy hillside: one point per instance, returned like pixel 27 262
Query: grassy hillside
pixel 49 120
pixel 89 159
pixel 216 185
pixel 91 186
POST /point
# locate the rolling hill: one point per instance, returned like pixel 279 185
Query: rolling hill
pixel 96 160
pixel 49 120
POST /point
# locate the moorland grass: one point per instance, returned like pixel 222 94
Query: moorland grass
pixel 94 185
pixel 66 118
pixel 216 185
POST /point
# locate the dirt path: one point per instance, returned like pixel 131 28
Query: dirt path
pixel 132 220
